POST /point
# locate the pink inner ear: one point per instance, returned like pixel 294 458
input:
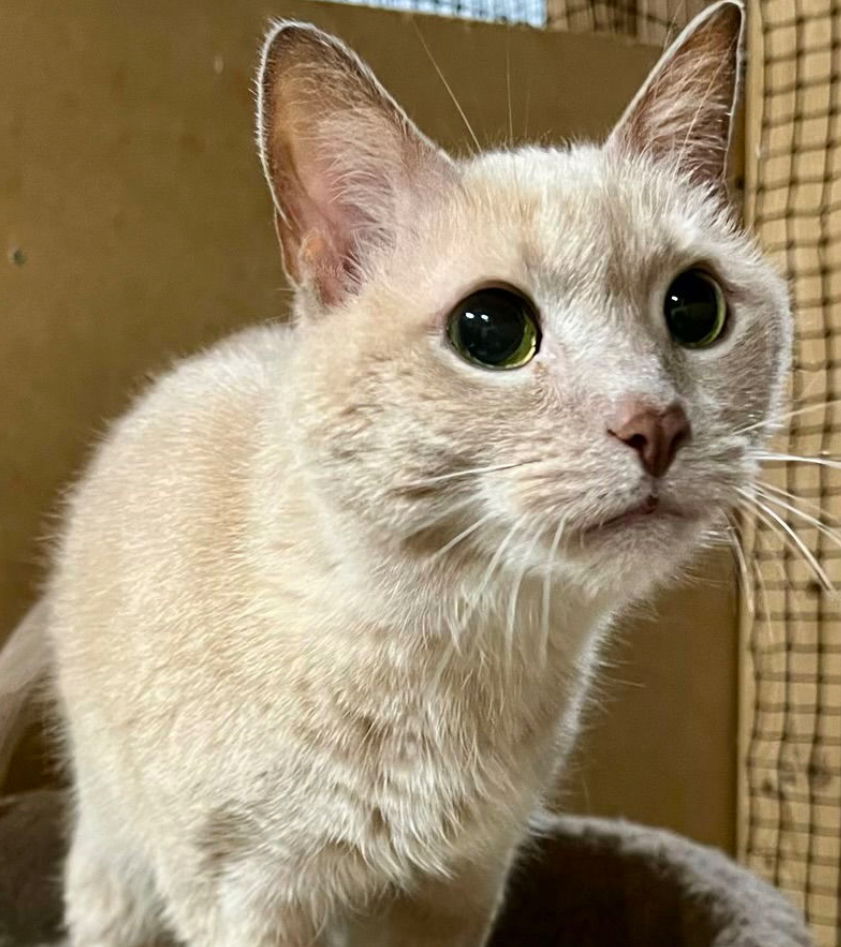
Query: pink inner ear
pixel 683 113
pixel 343 161
pixel 320 229
pixel 332 222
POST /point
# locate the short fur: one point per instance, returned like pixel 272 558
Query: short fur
pixel 328 599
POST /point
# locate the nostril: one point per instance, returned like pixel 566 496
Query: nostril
pixel 655 435
pixel 638 441
pixel 680 438
pixel 636 436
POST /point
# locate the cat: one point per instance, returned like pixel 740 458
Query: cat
pixel 325 606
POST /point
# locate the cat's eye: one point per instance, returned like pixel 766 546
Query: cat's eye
pixel 495 328
pixel 695 309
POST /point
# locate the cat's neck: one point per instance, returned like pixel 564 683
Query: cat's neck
pixel 466 598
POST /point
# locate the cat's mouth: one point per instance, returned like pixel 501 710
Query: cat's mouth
pixel 652 509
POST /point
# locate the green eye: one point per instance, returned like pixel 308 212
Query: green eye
pixel 695 309
pixel 495 328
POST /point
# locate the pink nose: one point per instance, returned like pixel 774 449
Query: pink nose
pixel 655 434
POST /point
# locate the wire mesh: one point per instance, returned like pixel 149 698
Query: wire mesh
pixel 649 21
pixel 532 12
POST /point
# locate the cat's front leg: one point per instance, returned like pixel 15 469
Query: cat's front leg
pixel 250 904
pixel 454 912
pixel 110 898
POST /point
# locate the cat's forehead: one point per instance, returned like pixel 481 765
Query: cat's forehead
pixel 557 196
pixel 576 218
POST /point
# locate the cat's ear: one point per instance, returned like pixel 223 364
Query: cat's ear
pixel 344 163
pixel 684 112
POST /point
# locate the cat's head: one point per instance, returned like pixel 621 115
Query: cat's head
pixel 531 353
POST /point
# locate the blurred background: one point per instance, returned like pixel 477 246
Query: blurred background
pixel 136 228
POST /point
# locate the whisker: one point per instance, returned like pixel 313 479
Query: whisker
pixel 764 512
pixel 742 565
pixel 474 600
pixel 446 84
pixel 764 538
pixel 512 604
pixel 765 631
pixel 456 474
pixel 806 517
pixel 754 568
pixel 508 86
pixel 547 591
pixel 778 419
pixel 527 110
pixel 774 530
pixel 774 457
pixel 460 536
pixel 821 512
pixel 439 515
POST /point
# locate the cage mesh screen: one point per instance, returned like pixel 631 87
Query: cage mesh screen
pixel 790 767
pixel 509 11
pixel 649 21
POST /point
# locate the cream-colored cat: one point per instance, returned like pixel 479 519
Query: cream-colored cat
pixel 327 601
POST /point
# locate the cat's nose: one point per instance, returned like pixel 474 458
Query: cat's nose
pixel 656 434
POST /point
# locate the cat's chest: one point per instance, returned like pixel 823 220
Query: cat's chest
pixel 427 755
pixel 437 754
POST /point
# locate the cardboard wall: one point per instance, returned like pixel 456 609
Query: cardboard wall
pixel 136 227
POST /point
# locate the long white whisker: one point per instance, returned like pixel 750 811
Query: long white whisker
pixel 764 512
pixel 819 510
pixel 774 457
pixel 508 86
pixel 778 419
pixel 547 591
pixel 512 604
pixel 806 517
pixel 774 530
pixel 460 536
pixel 757 571
pixel 441 514
pixel 474 600
pixel 765 626
pixel 742 565
pixel 764 537
pixel 446 84
pixel 470 471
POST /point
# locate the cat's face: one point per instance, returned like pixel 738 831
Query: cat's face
pixel 585 422
pixel 594 243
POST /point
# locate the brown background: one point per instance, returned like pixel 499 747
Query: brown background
pixel 137 228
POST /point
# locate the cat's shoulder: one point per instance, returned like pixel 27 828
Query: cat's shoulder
pixel 237 369
pixel 246 359
pixel 214 396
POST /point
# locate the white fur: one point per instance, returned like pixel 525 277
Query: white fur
pixel 290 715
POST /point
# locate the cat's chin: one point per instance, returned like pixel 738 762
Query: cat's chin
pixel 640 544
